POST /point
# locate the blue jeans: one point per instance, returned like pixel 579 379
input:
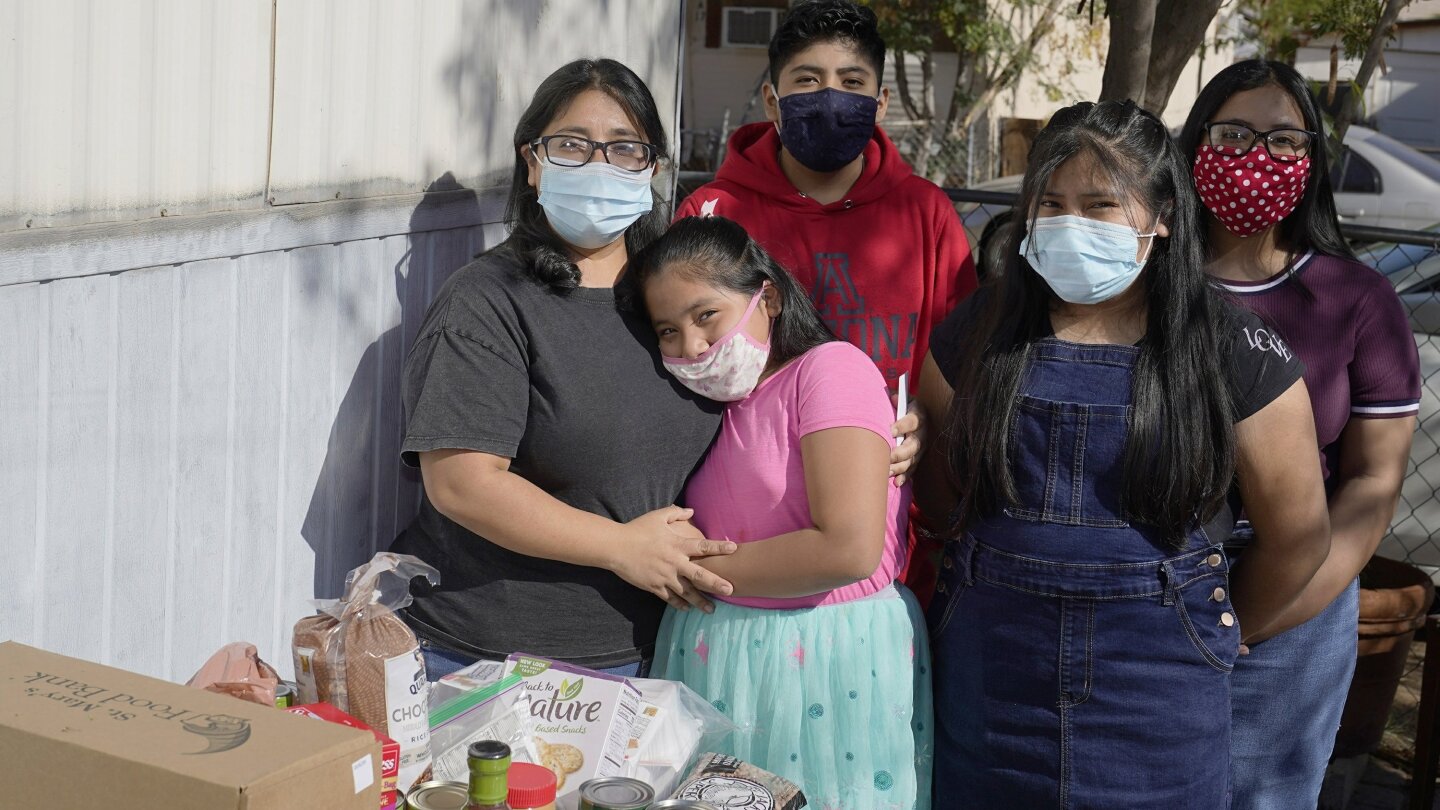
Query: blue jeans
pixel 440 662
pixel 1286 699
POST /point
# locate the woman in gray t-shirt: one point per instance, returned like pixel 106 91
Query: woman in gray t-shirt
pixel 552 443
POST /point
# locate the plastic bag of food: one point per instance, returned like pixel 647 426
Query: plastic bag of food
pixel 500 711
pixel 724 781
pixel 464 681
pixel 673 725
pixel 236 670
pixel 359 657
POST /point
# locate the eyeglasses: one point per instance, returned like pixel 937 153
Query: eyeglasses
pixel 1285 145
pixel 572 150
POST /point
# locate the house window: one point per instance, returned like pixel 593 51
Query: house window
pixel 748 26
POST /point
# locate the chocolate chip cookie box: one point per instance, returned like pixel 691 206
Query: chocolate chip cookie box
pixel 583 718
pixel 79 734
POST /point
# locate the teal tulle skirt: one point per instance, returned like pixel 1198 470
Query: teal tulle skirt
pixel 836 698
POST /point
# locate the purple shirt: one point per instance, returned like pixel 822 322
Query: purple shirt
pixel 1352 334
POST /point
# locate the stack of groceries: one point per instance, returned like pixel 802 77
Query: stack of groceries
pixel 525 733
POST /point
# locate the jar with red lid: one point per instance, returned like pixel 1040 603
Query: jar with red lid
pixel 532 787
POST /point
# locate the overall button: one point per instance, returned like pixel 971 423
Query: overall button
pixel 1227 619
pixel 948 563
pixel 940 587
pixel 1214 560
pixel 1218 595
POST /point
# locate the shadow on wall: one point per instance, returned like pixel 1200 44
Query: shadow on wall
pixel 365 496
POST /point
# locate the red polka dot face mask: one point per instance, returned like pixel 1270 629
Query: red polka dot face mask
pixel 1250 192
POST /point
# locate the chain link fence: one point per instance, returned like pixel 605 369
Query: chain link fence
pixel 962 161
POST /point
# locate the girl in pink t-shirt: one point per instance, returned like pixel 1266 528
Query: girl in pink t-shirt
pixel 817 656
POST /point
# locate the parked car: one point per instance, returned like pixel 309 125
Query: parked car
pixel 1381 181
pixel 1414 272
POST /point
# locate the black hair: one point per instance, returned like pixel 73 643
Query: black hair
pixel 717 251
pixel 814 21
pixel 531 240
pixel 1179 460
pixel 1313 224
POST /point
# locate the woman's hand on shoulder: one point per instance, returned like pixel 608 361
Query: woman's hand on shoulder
pixel 657 553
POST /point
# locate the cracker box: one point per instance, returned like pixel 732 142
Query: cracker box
pixel 583 718
pixel 389 749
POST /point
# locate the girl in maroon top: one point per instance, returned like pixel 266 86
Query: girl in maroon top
pixel 1273 241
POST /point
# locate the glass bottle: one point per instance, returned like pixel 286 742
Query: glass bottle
pixel 489 775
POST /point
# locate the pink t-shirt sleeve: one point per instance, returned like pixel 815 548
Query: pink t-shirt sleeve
pixel 839 386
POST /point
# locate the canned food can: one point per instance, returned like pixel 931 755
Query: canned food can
pixel 616 793
pixel 682 804
pixel 400 800
pixel 284 696
pixel 438 796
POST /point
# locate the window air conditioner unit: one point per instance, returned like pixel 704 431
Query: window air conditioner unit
pixel 748 26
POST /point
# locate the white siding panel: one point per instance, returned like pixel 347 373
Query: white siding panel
pixel 76 467
pixel 23 365
pixel 122 109
pixel 259 546
pixel 384 96
pixel 145 337
pixel 195 452
pixel 205 314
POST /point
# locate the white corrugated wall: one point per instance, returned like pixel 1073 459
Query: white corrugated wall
pixel 199 413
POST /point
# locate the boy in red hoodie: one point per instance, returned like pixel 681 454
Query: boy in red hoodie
pixel 824 190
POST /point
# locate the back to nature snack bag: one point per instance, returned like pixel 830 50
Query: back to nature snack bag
pixel 583 718
pixel 359 657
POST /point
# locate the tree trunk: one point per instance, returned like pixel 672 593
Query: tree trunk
pixel 902 86
pixel 1179 30
pixel 1378 38
pixel 1132 27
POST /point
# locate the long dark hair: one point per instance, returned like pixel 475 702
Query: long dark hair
pixel 531 241
pixel 1313 224
pixel 1180 455
pixel 717 252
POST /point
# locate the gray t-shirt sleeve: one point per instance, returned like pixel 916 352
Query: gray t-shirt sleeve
pixel 463 394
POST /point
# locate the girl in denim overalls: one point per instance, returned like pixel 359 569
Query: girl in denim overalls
pixel 1100 406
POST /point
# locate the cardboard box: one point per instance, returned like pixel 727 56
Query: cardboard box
pixel 583 718
pixel 77 734
pixel 389 749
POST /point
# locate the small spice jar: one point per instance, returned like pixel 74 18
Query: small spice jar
pixel 532 787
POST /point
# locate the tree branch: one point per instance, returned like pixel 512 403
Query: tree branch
pixel 1378 38
pixel 1179 30
pixel 1132 28
pixel 1001 81
pixel 902 83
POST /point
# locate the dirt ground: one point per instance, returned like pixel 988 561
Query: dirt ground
pixel 1384 777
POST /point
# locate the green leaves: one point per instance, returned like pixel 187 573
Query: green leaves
pixel 570 691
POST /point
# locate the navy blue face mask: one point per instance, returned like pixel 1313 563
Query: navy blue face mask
pixel 826 129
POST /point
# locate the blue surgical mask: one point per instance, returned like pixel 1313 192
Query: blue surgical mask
pixel 590 206
pixel 1085 261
